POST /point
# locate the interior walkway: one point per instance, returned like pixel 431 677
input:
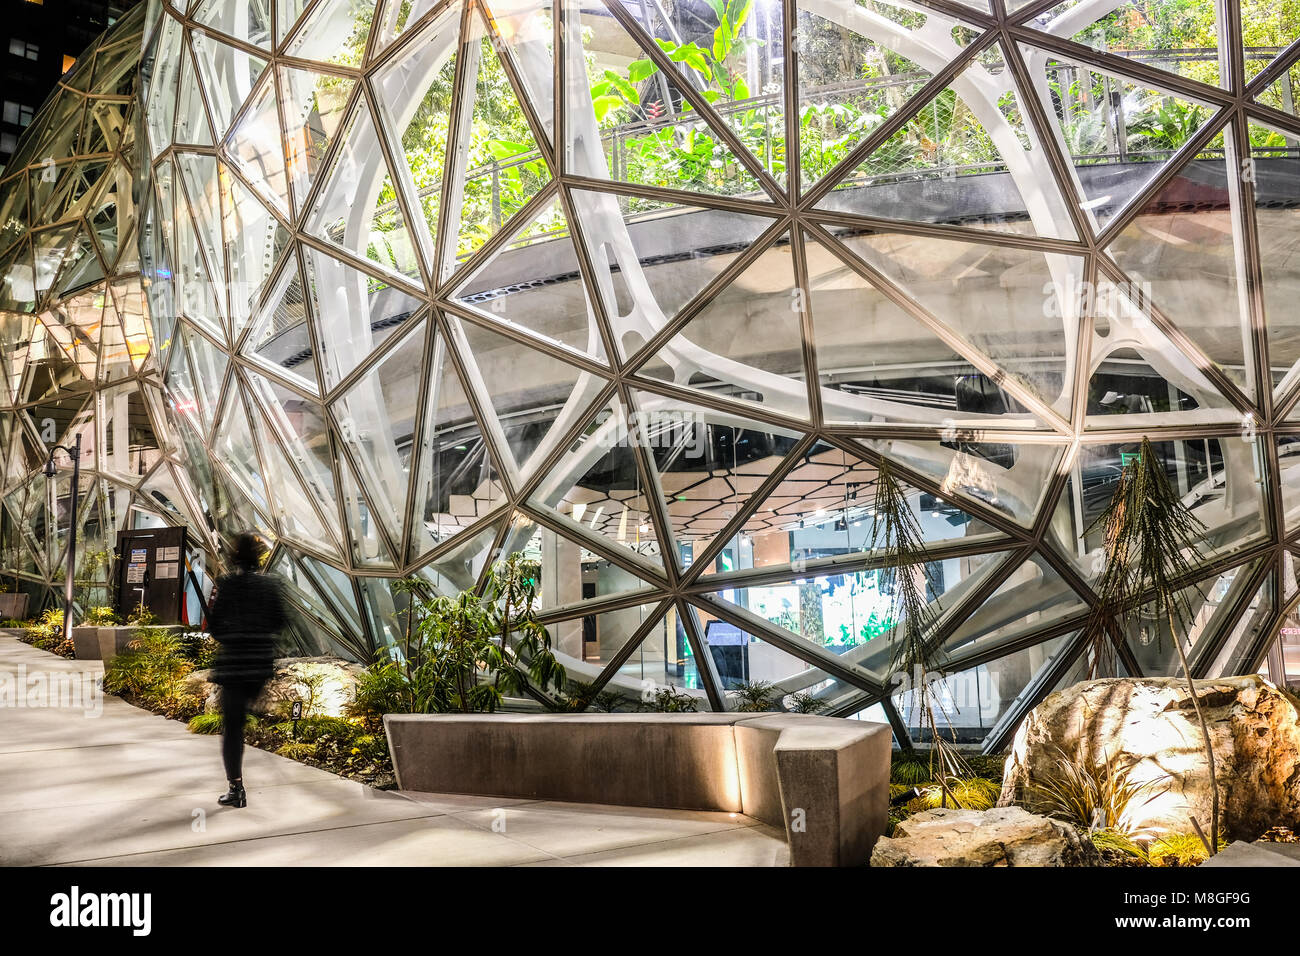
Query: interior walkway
pixel 95 781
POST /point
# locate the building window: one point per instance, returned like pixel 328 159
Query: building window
pixel 8 142
pixel 24 48
pixel 68 61
pixel 19 114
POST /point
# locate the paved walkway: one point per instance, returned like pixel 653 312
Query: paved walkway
pixel 97 781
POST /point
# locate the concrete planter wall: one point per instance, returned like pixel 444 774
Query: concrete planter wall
pixel 116 640
pixel 13 605
pixel 85 643
pixel 823 780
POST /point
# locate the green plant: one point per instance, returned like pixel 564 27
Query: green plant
pixel 1095 795
pixel 1148 534
pixel 907 770
pixel 669 700
pixel 907 574
pixel 100 617
pixel 205 724
pixel 805 702
pixel 153 668
pixel 754 696
pixel 1114 841
pixel 141 616
pixel 464 654
pixel 966 793
pixel 1181 849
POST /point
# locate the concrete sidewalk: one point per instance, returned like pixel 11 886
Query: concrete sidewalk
pixel 124 787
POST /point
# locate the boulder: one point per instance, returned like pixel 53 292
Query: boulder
pixel 1151 724
pixel 332 680
pixel 1003 836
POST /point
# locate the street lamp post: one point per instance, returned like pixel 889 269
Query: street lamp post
pixel 75 454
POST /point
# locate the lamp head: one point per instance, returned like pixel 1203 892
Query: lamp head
pixel 49 467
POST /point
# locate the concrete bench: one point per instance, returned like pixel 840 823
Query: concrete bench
pixel 823 780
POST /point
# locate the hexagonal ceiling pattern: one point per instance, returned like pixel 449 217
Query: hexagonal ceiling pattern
pixel 650 290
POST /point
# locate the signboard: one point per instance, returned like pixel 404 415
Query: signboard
pixel 722 634
pixel 165 571
pixel 169 554
pixel 135 574
pixel 139 555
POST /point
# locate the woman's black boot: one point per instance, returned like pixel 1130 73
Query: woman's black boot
pixel 236 797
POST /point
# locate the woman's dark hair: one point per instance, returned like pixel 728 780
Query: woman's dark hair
pixel 248 552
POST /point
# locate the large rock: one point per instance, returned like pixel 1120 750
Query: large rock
pixel 1003 836
pixel 331 680
pixel 1152 723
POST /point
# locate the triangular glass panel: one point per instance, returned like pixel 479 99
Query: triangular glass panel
pixel 1267 29
pixel 1116 133
pixel 1216 477
pixel 458 569
pixel 635 124
pixel 281 335
pixel 823 506
pixel 228 75
pixel 249 21
pixel 336 586
pixel 941 275
pixel 876 362
pixel 357 207
pixel 980 161
pixel 1277 214
pixel 741 658
pixel 335 32
pixel 1136 371
pixel 1283 92
pixel 287 14
pixel 1032 598
pixel 1180 245
pixel 998 476
pixel 735 61
pixel 160 110
pixel 192 126
pixel 367 540
pixel 255 146
pixel 852 614
pixel 663 660
pixel 1140 30
pixel 457 483
pixel 355 313
pixel 314 106
pixel 843 98
pixel 198 369
pixel 18 280
pixel 598 491
pixel 535 284
pixel 498 167
pixel 969 705
pixel 376 419
pixel 708 464
pixel 414 94
pixel 536 397
pixel 13 210
pixel 573 575
pixel 199 175
pixel 234 448
pixel 255 241
pixel 524 30
pixel 398 17
pixel 296 502
pixel 645 280
pixel 746 345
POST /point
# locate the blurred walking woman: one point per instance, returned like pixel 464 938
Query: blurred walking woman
pixel 245 618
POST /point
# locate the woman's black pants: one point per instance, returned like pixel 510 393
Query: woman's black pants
pixel 235 700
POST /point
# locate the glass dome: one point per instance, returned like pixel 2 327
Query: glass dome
pixel 651 290
pixel 79 358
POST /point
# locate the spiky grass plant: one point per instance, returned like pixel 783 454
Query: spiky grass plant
pixel 1147 535
pixel 1101 797
pixel 906 575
